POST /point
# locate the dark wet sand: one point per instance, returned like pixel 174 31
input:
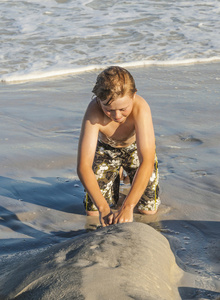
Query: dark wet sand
pixel 41 196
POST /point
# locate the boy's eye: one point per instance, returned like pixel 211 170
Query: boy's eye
pixel 123 109
pixel 111 110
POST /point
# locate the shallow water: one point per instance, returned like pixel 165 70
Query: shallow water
pixel 41 39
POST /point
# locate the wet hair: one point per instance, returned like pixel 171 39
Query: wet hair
pixel 112 83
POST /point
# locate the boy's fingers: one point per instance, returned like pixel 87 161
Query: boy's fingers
pixel 102 222
pixel 110 219
pixel 115 221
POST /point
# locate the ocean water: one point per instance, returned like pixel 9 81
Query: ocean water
pixel 39 39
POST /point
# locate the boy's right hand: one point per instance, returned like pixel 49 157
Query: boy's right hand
pixel 106 216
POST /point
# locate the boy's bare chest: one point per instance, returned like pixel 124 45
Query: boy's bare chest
pixel 118 132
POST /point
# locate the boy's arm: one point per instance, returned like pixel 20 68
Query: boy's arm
pixel 146 153
pixel 86 153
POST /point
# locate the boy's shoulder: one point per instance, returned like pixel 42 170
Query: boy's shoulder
pixel 140 105
pixel 140 100
pixel 94 111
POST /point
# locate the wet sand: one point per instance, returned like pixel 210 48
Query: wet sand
pixel 41 196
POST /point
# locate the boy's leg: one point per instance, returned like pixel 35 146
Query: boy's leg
pixel 150 201
pixel 106 169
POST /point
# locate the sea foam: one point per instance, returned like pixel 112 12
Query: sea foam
pixel 17 78
pixel 57 38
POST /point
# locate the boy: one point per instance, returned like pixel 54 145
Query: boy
pixel 117 131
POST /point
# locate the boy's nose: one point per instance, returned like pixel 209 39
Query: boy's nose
pixel 117 114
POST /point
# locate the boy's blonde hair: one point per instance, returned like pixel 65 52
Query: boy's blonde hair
pixel 114 82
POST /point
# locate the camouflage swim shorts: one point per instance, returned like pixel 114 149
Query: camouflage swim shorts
pixel 106 166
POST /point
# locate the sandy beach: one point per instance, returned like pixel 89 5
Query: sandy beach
pixel 49 249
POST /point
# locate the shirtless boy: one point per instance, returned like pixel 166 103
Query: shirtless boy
pixel 117 131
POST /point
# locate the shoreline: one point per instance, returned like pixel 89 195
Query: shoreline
pixel 65 73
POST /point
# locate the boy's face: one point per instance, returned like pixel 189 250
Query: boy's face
pixel 119 109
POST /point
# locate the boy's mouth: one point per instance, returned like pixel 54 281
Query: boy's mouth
pixel 119 120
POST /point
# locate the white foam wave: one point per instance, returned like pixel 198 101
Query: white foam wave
pixel 17 78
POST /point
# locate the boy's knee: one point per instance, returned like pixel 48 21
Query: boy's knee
pixel 147 212
pixel 92 213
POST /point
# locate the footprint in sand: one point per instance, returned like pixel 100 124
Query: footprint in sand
pixel 199 173
pixel 189 139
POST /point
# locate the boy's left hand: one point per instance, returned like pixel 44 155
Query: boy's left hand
pixel 123 215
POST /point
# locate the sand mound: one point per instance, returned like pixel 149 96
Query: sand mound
pixel 124 261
